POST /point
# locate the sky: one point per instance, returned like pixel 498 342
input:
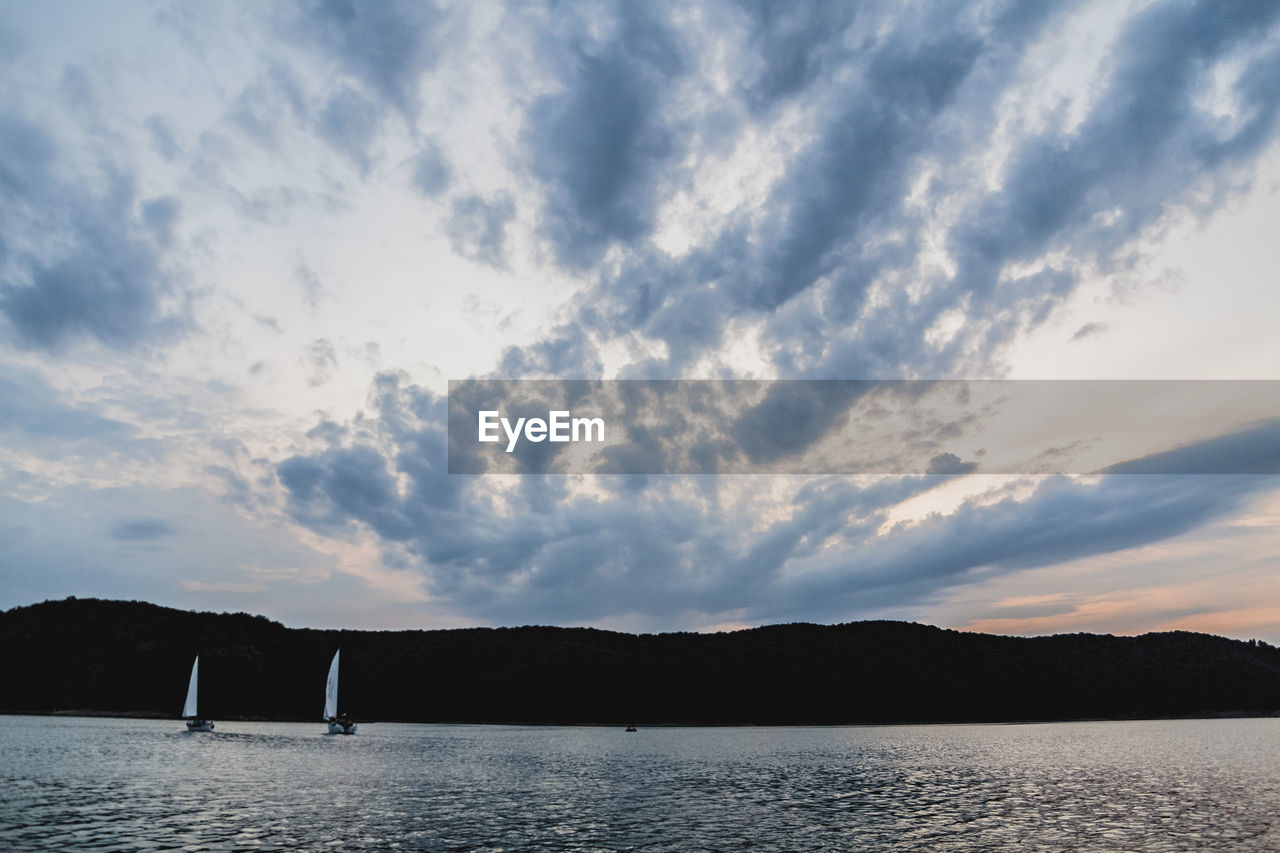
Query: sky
pixel 244 247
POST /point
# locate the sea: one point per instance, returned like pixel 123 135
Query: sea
pixel 96 784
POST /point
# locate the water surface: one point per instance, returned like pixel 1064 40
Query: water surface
pixel 108 784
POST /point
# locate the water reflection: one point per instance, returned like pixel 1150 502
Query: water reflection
pixel 91 784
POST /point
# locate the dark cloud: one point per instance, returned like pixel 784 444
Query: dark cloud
pixel 1062 520
pixel 314 292
pixel 1249 451
pixel 92 264
pixel 797 43
pixel 29 152
pixel 951 465
pixel 905 101
pixel 344 484
pixel 322 356
pixel 354 483
pixel 328 432
pixel 142 530
pixel 349 122
pixel 163 140
pixel 432 173
pixel 793 416
pixel 477 228
pixel 1143 149
pixel 1089 329
pixel 160 216
pixel 386 46
pixel 677 546
pixel 825 219
pixel 598 145
pixel 568 351
pixel 858 168
pixel 372 59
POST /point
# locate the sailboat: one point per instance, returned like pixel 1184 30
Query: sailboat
pixel 194 723
pixel 338 725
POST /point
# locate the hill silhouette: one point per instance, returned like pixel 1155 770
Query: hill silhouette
pixel 134 657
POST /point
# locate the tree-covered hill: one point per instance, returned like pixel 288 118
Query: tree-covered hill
pixel 130 657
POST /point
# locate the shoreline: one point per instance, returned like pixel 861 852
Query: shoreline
pixel 151 715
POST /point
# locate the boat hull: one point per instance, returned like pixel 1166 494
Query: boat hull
pixel 199 726
pixel 340 729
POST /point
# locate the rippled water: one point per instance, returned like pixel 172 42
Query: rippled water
pixel 97 784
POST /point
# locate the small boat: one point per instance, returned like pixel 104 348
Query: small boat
pixel 194 723
pixel 339 724
pixel 630 728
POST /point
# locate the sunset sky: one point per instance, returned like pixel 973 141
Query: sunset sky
pixel 244 247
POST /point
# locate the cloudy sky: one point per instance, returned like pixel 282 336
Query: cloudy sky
pixel 244 248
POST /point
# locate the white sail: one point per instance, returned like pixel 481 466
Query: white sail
pixel 331 689
pixel 189 708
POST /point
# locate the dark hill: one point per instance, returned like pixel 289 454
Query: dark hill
pixel 121 657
